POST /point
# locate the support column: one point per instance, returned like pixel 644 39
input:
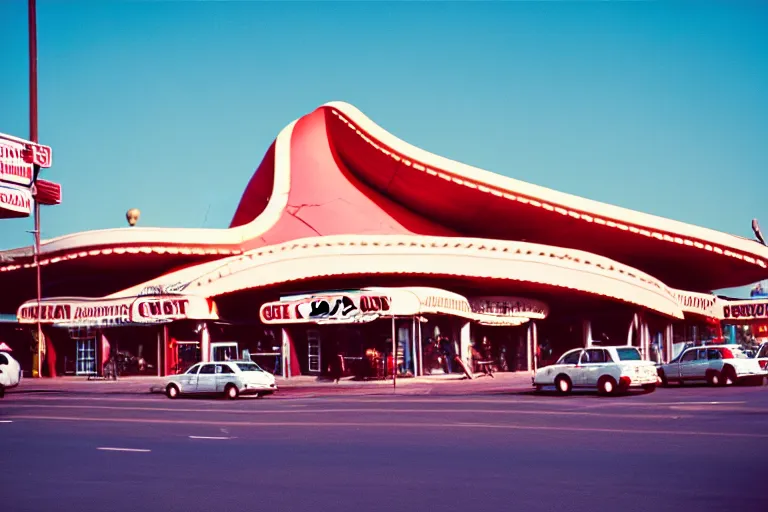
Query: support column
pixel 49 355
pixel 529 347
pixel 633 325
pixel 160 352
pixel 669 340
pixel 205 343
pixel 586 333
pixel 465 343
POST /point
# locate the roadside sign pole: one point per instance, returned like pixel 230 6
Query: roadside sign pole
pixel 33 136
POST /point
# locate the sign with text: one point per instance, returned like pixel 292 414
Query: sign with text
pixel 339 307
pixel 746 310
pixel 115 312
pixel 698 303
pixel 15 201
pixel 18 158
pixel 510 307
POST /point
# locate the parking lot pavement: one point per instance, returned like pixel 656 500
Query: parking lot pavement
pixel 663 451
pixel 501 382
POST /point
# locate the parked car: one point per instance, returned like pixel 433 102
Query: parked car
pixel 610 370
pixel 762 355
pixel 718 365
pixel 10 372
pixel 228 378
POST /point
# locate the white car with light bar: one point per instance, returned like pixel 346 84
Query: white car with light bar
pixel 10 372
pixel 610 370
pixel 718 365
pixel 226 378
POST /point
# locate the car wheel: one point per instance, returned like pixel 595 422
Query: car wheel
pixel 649 388
pixel 729 376
pixel 607 385
pixel 563 384
pixel 714 378
pixel 231 392
pixel 172 391
pixel 663 377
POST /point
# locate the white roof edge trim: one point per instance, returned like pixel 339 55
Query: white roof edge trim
pixel 301 259
pixel 612 212
pixel 195 236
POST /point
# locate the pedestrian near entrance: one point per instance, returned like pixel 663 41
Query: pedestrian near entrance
pixel 337 368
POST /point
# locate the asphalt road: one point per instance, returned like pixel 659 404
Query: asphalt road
pixel 692 448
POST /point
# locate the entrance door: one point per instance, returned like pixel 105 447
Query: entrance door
pixel 313 351
pixel 224 351
pixel 85 362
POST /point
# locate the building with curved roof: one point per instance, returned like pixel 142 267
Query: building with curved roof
pixel 341 219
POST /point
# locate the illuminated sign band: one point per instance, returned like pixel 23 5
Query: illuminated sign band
pixel 510 307
pixel 746 310
pixel 115 312
pixel 339 307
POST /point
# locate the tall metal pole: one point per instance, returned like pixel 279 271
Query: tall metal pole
pixel 32 21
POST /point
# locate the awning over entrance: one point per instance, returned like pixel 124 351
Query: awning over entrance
pixel 367 304
pixel 144 310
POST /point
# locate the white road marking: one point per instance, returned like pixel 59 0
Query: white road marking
pixel 6 421
pixel 210 437
pixel 137 450
pixel 335 410
pixel 403 425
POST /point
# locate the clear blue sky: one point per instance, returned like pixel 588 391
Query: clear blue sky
pixel 169 106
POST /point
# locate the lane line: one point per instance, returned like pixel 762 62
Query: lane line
pixel 513 399
pixel 6 421
pixel 137 450
pixel 210 437
pixel 403 425
pixel 354 410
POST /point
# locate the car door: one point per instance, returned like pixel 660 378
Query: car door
pixel 694 364
pixel 206 380
pixel 571 366
pixel 188 379
pixel 224 375
pixel 593 363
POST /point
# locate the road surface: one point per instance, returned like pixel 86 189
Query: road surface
pixel 692 448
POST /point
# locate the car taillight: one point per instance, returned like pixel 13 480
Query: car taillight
pixel 763 364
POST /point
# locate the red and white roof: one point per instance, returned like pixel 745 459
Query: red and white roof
pixel 334 180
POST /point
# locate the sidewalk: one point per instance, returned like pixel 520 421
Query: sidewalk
pixel 437 384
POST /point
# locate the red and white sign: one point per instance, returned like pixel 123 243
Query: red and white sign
pixel 746 310
pixel 18 158
pixel 15 201
pixel 115 312
pixel 349 306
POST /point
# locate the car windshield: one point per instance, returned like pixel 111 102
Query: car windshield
pixel 628 354
pixel 738 353
pixel 763 352
pixel 249 367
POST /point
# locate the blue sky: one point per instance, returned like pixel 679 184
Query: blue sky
pixel 169 106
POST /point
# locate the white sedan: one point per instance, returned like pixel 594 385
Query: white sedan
pixel 718 365
pixel 228 378
pixel 608 369
pixel 10 372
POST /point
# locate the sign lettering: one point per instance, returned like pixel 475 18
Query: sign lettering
pixel 141 310
pixel 746 311
pixel 15 199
